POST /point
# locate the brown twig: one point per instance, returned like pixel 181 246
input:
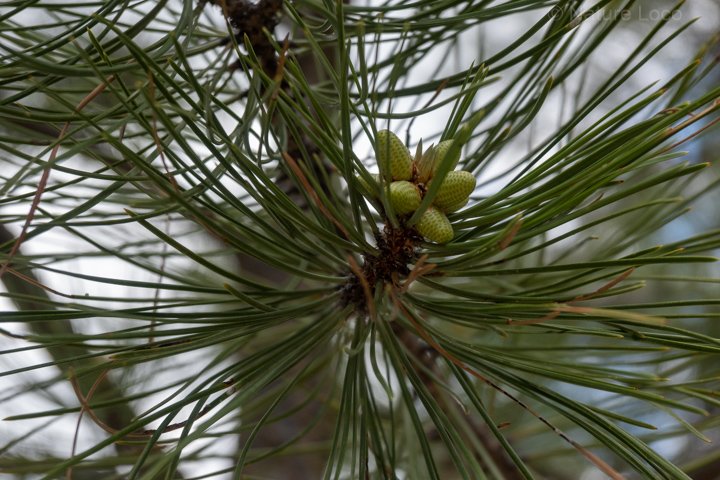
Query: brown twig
pixel 85 406
pixel 694 118
pixel 46 173
pixel 580 298
pixel 507 240
pixel 365 286
pixel 313 194
pixel 419 270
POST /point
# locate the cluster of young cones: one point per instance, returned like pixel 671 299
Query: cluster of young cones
pixel 411 179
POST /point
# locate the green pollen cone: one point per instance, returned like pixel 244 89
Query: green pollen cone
pixel 435 226
pixel 404 197
pixel 429 162
pixel 393 154
pixel 367 187
pixel 456 188
pixel 456 207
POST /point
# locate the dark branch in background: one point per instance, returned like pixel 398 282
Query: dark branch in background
pixel 255 21
pixel 28 295
pixel 398 247
pixel 425 356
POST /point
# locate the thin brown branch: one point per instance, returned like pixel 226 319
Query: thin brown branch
pixel 85 406
pixel 580 298
pixel 507 240
pixel 365 286
pixel 83 409
pixel 313 194
pixel 46 173
pixel 419 270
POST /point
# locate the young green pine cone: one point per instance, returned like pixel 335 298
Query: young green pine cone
pixel 435 226
pixel 392 152
pixel 429 162
pixel 404 197
pixel 456 188
pixel 454 208
pixel 367 186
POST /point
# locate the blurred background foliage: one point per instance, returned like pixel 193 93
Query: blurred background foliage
pixel 185 244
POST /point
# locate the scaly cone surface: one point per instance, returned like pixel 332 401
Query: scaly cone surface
pixel 404 197
pixel 456 187
pixel 435 226
pixel 393 153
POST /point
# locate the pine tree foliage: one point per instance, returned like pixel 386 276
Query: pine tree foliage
pixel 206 276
